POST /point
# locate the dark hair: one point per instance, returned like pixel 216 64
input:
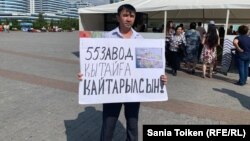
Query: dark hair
pixel 210 26
pixel 243 30
pixel 178 27
pixel 199 23
pixel 127 7
pixel 212 37
pixel 192 25
pixel 168 24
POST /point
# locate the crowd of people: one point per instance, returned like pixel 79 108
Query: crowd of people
pixel 199 45
pixel 191 46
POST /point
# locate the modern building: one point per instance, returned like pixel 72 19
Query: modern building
pixel 38 6
pixel 53 6
pixel 82 4
pixel 14 6
pixel 113 1
pixel 51 9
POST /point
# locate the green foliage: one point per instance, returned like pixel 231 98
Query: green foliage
pixel 68 24
pixel 7 21
pixel 40 22
pixel 51 24
pixel 75 24
pixel 15 24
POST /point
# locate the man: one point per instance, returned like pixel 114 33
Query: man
pixel 242 46
pixel 201 29
pixel 202 32
pixel 193 41
pixel 126 18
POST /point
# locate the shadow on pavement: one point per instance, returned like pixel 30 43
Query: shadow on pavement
pixel 224 78
pixel 244 100
pixel 87 127
pixel 218 75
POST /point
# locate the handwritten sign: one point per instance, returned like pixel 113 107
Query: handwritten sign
pixel 121 70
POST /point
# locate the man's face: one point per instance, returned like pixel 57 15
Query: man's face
pixel 126 19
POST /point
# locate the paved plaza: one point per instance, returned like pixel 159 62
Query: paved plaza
pixel 39 94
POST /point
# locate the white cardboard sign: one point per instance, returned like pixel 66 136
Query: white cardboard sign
pixel 121 70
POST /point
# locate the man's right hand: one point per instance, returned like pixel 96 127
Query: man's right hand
pixel 80 76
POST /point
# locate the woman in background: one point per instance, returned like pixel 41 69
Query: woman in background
pixel 176 41
pixel 208 55
pixel 169 32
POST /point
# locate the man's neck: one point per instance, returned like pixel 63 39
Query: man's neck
pixel 126 33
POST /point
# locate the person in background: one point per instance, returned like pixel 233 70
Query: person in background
pixel 230 30
pixel 242 46
pixel 5 27
pixel 193 41
pixel 201 29
pixel 221 31
pixel 221 34
pixel 202 32
pixel 182 50
pixel 142 28
pixel 1 28
pixel 183 28
pixel 169 32
pixel 126 17
pixel 218 47
pixel 177 40
pixel 209 55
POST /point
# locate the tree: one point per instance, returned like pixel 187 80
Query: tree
pixel 65 24
pixel 6 21
pixel 15 24
pixel 51 24
pixel 68 24
pixel 75 24
pixel 40 22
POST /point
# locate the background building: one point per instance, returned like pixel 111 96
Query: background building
pixel 113 1
pixel 54 6
pixel 51 9
pixel 14 6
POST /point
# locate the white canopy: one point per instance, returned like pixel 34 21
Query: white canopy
pixel 177 9
pixel 165 5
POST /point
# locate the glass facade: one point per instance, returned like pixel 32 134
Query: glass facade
pixel 50 8
pixel 113 1
pixel 14 6
pixel 38 6
pixel 53 6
